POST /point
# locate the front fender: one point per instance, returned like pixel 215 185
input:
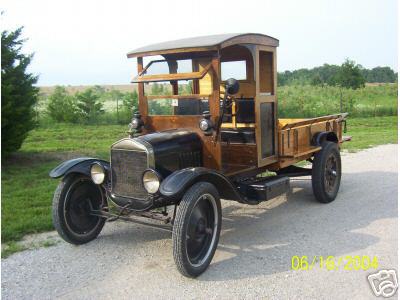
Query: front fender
pixel 77 165
pixel 176 184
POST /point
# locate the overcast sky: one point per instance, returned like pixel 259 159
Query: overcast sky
pixel 85 42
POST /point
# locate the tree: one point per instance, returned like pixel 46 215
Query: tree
pixel 18 93
pixel 349 75
pixel 380 74
pixel 89 105
pixel 62 107
pixel 317 80
pixel 130 101
pixel 155 90
pixel 116 96
pixel 328 74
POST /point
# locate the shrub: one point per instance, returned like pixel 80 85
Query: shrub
pixel 62 107
pixel 89 105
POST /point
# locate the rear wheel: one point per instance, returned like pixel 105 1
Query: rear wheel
pixel 326 173
pixel 196 229
pixel 75 198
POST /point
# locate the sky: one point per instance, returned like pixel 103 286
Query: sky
pixel 85 42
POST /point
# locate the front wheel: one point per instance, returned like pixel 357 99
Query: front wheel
pixel 326 173
pixel 196 229
pixel 75 198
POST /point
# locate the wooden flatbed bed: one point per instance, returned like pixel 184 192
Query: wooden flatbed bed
pixel 296 136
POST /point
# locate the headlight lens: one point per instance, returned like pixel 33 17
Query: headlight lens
pixel 204 125
pixel 151 181
pixel 97 173
pixel 135 123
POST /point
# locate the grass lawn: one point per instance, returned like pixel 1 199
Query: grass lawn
pixel 369 132
pixel 27 190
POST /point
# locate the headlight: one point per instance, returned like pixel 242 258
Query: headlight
pixel 151 181
pixel 97 173
pixel 135 123
pixel 204 124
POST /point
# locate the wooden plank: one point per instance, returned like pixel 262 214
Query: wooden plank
pixel 238 157
pixel 213 145
pixel 306 151
pixel 314 120
pixel 181 97
pixel 171 77
pixel 142 102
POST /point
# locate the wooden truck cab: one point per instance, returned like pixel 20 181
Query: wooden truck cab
pixel 191 144
pixel 251 136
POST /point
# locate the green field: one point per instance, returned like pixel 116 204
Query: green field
pixel 294 101
pixel 314 101
pixel 27 190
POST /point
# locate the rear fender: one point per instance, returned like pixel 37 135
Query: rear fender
pixel 320 137
pixel 79 165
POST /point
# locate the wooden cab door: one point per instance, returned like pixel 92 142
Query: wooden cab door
pixel 266 105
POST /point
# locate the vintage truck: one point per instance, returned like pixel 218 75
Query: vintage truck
pixel 211 133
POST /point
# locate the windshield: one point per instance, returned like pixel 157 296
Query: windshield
pixel 182 106
pixel 168 67
pixel 177 87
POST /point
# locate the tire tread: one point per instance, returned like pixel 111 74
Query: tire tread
pixel 179 248
pixel 318 184
pixel 58 204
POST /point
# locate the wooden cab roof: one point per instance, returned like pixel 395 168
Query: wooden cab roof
pixel 204 43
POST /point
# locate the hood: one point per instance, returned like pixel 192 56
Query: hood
pixel 174 149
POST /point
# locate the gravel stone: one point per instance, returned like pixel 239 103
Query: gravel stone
pixel 253 259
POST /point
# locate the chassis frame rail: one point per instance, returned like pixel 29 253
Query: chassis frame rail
pixel 134 218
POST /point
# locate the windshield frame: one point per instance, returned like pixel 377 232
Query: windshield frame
pixel 142 77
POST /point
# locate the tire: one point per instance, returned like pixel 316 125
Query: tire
pixel 326 173
pixel 71 209
pixel 196 230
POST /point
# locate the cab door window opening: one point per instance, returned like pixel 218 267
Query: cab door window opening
pixel 238 62
pixel 234 69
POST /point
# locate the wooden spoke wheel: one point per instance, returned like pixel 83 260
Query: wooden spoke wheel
pixel 196 229
pixel 326 173
pixel 75 198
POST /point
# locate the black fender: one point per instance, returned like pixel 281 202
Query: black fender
pixel 176 184
pixel 77 165
pixel 320 137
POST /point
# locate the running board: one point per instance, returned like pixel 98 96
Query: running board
pixel 266 188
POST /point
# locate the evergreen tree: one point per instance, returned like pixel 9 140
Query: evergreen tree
pixel 89 105
pixel 18 93
pixel 62 107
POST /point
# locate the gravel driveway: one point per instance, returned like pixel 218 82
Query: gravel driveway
pixel 253 259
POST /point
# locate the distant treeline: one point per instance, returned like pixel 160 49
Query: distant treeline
pixel 327 74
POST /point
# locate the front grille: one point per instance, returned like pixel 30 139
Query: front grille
pixel 127 170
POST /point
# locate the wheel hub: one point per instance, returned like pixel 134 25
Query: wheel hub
pixel 200 230
pixel 331 174
pixel 82 197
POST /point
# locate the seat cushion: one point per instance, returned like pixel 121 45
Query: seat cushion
pixel 245 110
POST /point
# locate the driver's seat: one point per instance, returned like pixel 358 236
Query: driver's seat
pixel 245 114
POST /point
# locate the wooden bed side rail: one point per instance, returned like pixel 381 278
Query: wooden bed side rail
pixel 340 117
